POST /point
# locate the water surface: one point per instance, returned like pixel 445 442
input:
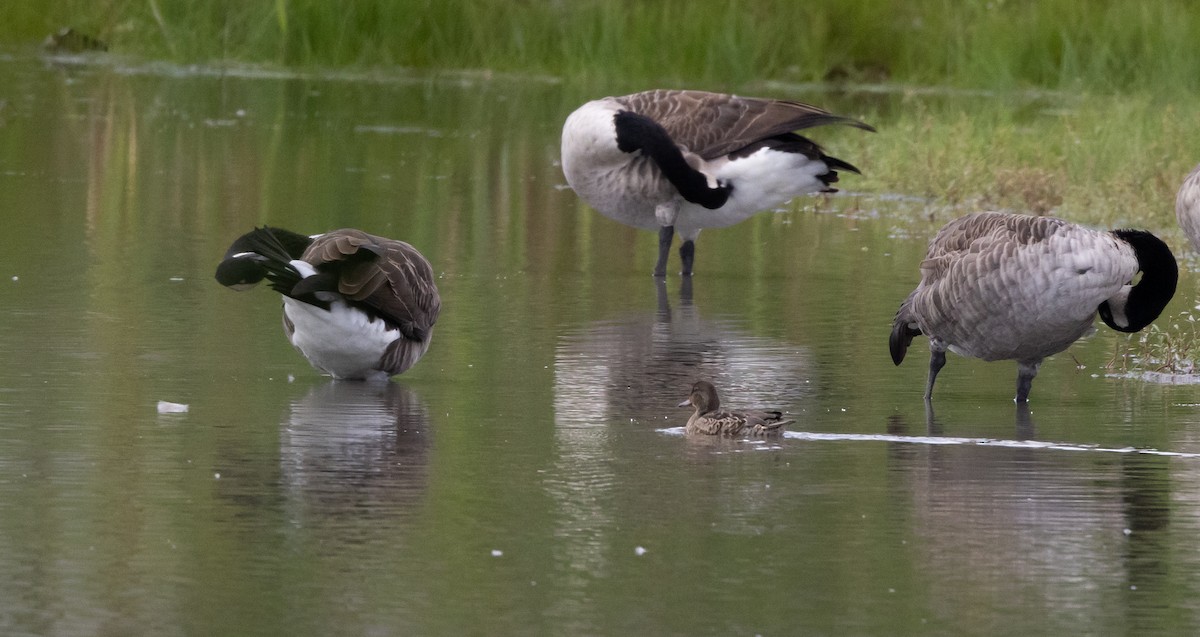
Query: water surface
pixel 525 477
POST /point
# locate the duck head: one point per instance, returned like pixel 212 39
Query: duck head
pixel 703 397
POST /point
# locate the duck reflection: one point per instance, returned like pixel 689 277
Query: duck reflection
pixel 636 367
pixel 632 370
pixel 1034 516
pixel 355 448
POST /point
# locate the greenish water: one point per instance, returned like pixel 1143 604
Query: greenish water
pixel 526 476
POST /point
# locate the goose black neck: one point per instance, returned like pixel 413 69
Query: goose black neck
pixel 1160 274
pixel 637 132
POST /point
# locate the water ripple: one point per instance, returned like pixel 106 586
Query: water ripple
pixel 954 440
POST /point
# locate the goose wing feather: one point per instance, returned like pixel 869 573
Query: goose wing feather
pixel 1010 286
pixel 714 124
pixel 386 275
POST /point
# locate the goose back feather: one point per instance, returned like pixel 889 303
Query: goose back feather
pixel 999 286
pixel 1187 207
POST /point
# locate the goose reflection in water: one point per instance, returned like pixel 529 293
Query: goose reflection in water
pixel 355 448
pixel 635 367
pixel 1034 516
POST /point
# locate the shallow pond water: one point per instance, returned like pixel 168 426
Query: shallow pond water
pixel 527 476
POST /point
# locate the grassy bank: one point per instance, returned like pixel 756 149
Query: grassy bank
pixel 1097 45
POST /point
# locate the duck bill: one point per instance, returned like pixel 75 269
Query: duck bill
pixel 686 403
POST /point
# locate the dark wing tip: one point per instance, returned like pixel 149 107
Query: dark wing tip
pixel 900 339
pixel 234 272
pixel 840 164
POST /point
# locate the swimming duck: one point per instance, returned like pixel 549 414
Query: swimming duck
pixel 1001 286
pixel 711 420
pixel 680 161
pixel 357 306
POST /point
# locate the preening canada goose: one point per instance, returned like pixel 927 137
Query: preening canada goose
pixel 357 306
pixel 1001 286
pixel 709 419
pixel 681 161
pixel 1187 207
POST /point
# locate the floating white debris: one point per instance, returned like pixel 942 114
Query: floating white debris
pixel 291 378
pixel 176 279
pixel 16 278
pixel 497 552
pixel 165 407
pixel 639 551
pixel 217 475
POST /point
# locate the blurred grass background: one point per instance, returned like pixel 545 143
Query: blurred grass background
pixel 1099 46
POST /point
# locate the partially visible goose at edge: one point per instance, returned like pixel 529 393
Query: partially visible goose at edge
pixel 357 306
pixel 1000 286
pixel 709 419
pixel 1187 207
pixel 681 161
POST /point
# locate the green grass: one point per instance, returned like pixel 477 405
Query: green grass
pixel 1095 45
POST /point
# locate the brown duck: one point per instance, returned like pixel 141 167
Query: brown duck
pixel 709 419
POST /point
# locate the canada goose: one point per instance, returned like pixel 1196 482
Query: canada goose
pixel 1187 207
pixel 680 161
pixel 1001 286
pixel 711 420
pixel 357 306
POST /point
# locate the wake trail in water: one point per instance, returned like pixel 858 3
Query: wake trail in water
pixel 962 441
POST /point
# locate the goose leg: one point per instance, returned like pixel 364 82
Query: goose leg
pixel 1025 373
pixel 687 254
pixel 937 360
pixel 665 235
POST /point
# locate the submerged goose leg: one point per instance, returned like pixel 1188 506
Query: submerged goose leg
pixel 1025 373
pixel 665 235
pixel 687 254
pixel 937 360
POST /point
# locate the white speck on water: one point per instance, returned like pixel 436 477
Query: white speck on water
pixel 1133 587
pixel 176 279
pixel 639 551
pixel 291 378
pixel 241 112
pixel 497 552
pixel 16 278
pixel 843 409
pixel 165 407
pixel 1127 531
pixel 217 476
